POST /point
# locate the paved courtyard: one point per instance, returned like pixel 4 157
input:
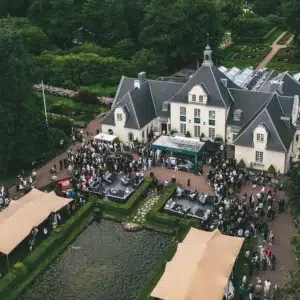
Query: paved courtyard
pixel 282 226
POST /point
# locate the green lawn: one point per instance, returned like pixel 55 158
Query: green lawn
pixel 8 182
pixel 99 90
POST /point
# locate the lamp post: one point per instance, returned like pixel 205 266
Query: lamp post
pixel 45 107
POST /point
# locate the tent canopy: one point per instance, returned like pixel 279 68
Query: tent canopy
pixel 178 144
pixel 105 137
pixel 18 219
pixel 200 268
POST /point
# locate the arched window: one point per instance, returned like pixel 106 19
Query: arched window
pixel 130 137
pixel 110 131
pixel 206 57
pixel 297 138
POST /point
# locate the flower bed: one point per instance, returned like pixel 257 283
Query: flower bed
pixel 69 93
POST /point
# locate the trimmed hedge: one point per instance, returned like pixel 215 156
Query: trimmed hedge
pixel 108 206
pixel 22 274
pixel 258 39
pixel 159 268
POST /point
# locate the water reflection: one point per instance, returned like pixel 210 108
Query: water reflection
pixel 105 262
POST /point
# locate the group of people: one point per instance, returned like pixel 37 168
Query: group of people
pixel 4 198
pixel 248 215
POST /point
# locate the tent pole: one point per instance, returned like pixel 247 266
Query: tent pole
pixel 7 260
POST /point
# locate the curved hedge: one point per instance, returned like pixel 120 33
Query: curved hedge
pixel 23 274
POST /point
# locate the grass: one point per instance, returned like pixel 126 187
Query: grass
pixel 99 90
pixel 8 182
pixel 285 38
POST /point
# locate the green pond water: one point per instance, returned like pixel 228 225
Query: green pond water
pixel 104 262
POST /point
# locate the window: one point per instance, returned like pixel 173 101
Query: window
pixel 130 137
pixel 197 131
pixel 119 117
pixel 196 113
pixel 297 138
pixel 110 131
pixel 212 118
pixel 143 134
pixel 182 128
pixel 259 157
pixel 212 133
pixel 260 137
pixel 182 114
pixel 193 97
pixel 201 99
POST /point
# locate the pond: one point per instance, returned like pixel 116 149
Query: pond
pixel 104 262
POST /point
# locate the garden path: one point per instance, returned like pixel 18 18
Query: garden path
pixel 139 215
pixel 275 48
pixel 43 174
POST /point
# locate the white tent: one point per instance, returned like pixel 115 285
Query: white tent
pixel 105 137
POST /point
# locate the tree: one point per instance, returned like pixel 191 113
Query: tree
pixel 266 7
pixel 231 9
pixel 292 188
pixel 35 40
pixel 23 131
pixel 125 49
pixel 178 29
pixel 291 11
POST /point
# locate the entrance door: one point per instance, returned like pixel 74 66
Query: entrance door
pixel 164 127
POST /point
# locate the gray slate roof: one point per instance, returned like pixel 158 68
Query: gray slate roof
pixel 290 87
pixel 143 104
pixel 209 77
pixel 280 132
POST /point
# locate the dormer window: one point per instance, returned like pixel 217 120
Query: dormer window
pixel 201 99
pixel 260 137
pixel 237 114
pixel 198 94
pixel 193 98
pixel 119 117
pixel 165 107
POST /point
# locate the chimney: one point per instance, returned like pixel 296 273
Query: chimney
pixel 276 86
pixel 137 83
pixel 142 77
pixel 224 81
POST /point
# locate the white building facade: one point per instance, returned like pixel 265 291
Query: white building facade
pixel 262 124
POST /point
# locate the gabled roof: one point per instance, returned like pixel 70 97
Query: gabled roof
pixel 290 86
pixel 250 102
pixel 210 77
pixel 269 114
pixel 143 104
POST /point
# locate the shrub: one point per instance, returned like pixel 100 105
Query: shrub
pixel 272 170
pixel 86 78
pixel 20 269
pixel 242 164
pixel 61 122
pixel 69 84
pixel 188 134
pixel 87 98
pixel 218 139
pixel 55 135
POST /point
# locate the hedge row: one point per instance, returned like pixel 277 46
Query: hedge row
pixel 23 274
pixel 108 206
pixel 256 39
pixel 157 217
pixel 159 268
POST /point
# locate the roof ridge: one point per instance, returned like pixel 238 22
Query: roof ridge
pixel 252 119
pixel 213 75
pixel 162 81
pixel 137 120
pixel 278 135
pixel 118 91
pixel 152 98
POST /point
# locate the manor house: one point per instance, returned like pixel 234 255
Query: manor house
pixel 260 118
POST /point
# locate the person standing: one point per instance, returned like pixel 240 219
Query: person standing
pixel 267 287
pixel 60 164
